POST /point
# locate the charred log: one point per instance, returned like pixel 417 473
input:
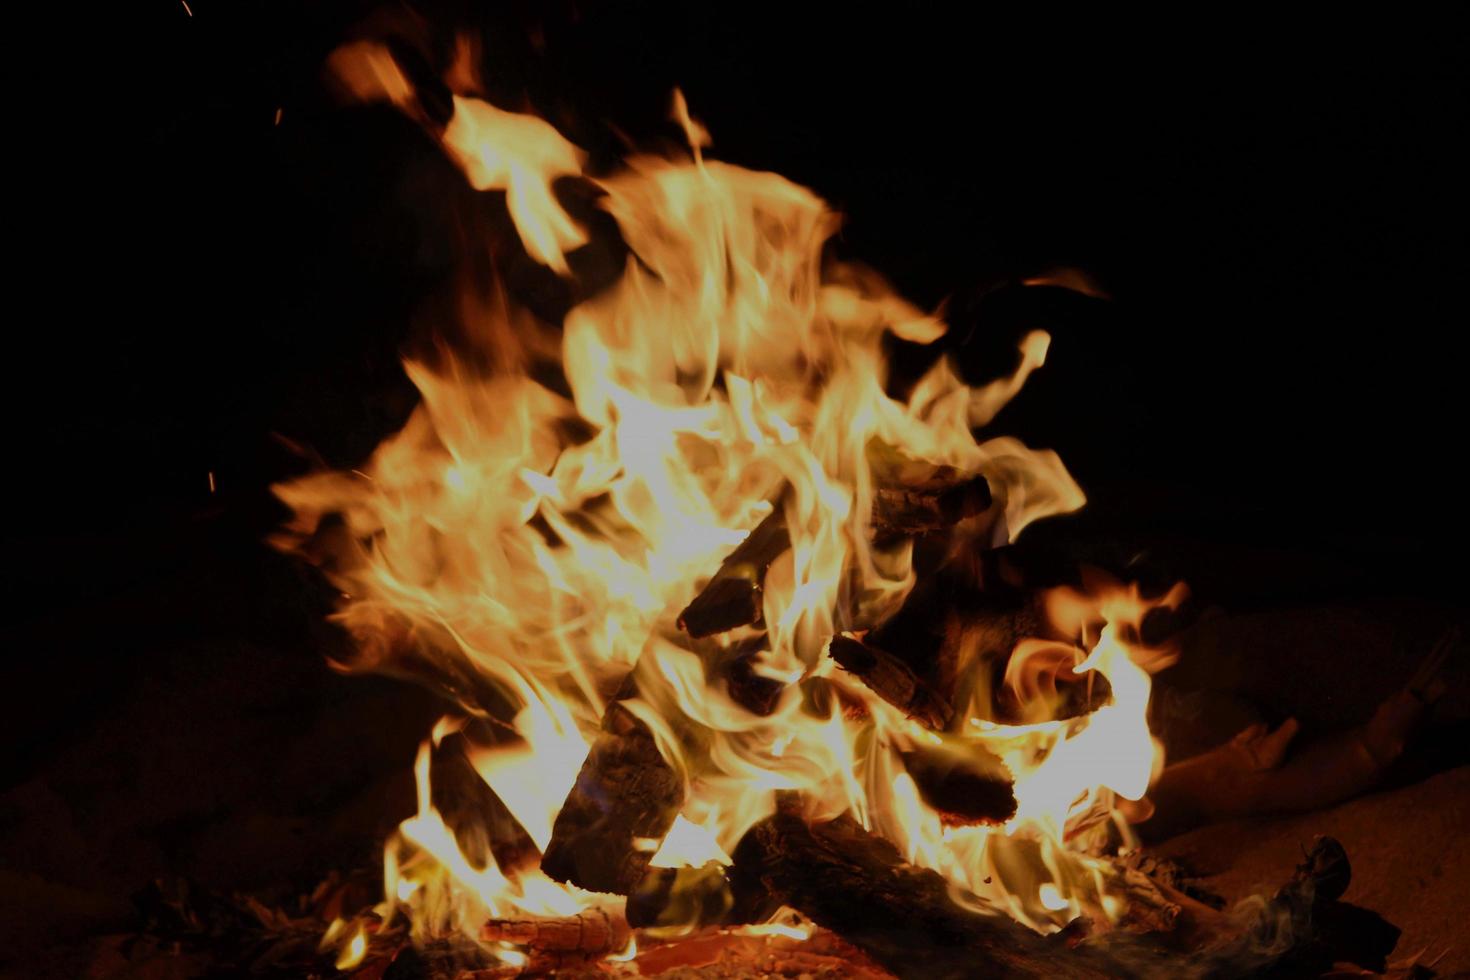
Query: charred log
pixel 732 598
pixel 893 680
pixel 735 666
pixel 859 886
pixel 625 794
pixel 482 825
pixel 936 497
pixel 966 785
pixel 942 499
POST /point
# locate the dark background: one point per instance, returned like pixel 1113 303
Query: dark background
pixel 1277 210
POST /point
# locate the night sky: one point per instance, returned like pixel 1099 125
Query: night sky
pixel 1277 209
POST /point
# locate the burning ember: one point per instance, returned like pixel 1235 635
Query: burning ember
pixel 699 582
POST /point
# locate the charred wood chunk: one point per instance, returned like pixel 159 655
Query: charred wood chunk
pixel 858 885
pixel 483 827
pixel 942 500
pixel 904 503
pixel 893 680
pixel 626 795
pixel 747 687
pixel 1303 930
pixel 966 784
pixel 732 598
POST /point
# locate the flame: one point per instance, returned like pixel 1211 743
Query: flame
pixel 354 950
pixel 528 545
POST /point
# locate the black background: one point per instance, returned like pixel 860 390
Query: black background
pixel 1276 208
pixel 1270 407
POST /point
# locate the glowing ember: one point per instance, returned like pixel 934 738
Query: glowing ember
pixel 530 544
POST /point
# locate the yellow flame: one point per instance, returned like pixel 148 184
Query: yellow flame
pixel 354 950
pixel 528 544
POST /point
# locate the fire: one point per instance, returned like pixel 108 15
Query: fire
pixel 529 544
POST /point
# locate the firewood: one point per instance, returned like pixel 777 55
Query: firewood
pixel 627 793
pixel 964 783
pixel 732 597
pixel 593 932
pixel 920 497
pixel 735 666
pixel 893 680
pixel 858 885
pixel 941 500
pixel 482 825
pixel 680 897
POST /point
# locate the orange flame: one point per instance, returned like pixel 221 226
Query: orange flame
pixel 536 546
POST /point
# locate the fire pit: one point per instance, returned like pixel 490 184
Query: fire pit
pixel 751 650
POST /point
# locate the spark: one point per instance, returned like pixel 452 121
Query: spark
pixel 186 7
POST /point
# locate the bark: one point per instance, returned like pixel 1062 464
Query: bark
pixel 858 885
pixel 940 497
pixel 967 786
pixel 893 680
pixel 592 933
pixel 626 794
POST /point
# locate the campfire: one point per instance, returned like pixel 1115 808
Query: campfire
pixel 748 670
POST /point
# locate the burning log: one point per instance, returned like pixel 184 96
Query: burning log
pixel 682 897
pixel 625 794
pixel 893 680
pixel 944 498
pixel 595 932
pixel 732 598
pixel 966 786
pixel 940 497
pixel 482 825
pixel 735 665
pixel 905 918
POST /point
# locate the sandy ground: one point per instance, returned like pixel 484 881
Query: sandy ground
pixel 1409 849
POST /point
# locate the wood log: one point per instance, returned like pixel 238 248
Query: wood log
pixel 907 919
pixel 943 498
pixel 934 497
pixel 893 680
pixel 625 794
pixel 595 932
pixel 735 666
pixel 732 597
pixel 482 825
pixel 858 885
pixel 965 783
